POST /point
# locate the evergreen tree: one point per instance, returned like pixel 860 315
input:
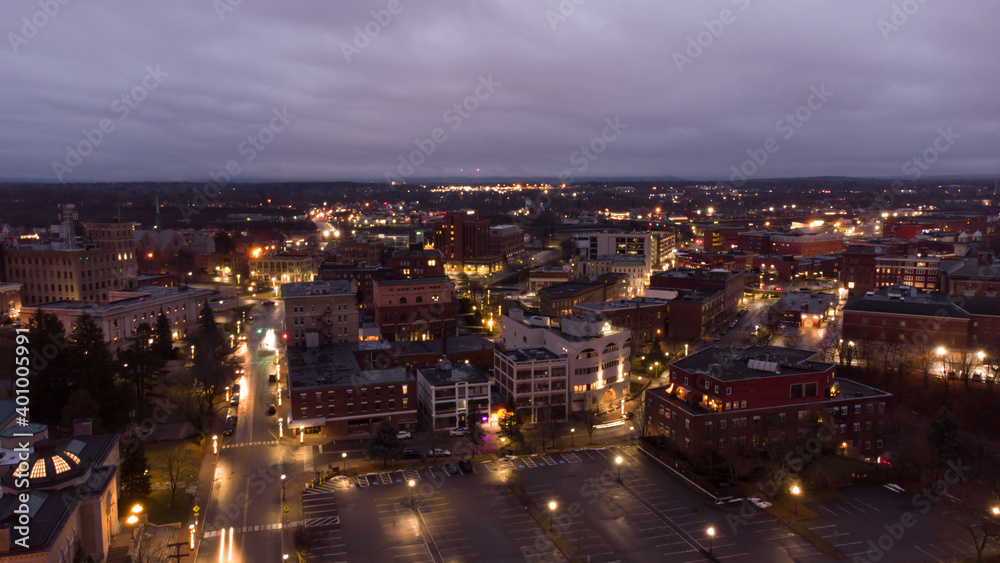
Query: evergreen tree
pixel 51 381
pixel 142 366
pixel 510 428
pixel 164 338
pixel 385 444
pixel 945 437
pixel 94 368
pixel 134 470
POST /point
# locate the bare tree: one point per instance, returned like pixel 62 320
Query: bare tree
pixel 180 467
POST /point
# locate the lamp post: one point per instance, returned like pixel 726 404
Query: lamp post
pixel 942 352
pixel 282 486
pixel 133 521
pixel 795 495
pixel 572 433
pixel 711 536
pixel 631 429
pixel 618 462
pixel 412 484
pixel 552 513
pixel 215 444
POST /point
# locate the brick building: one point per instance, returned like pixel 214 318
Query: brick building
pixel 686 280
pixel 645 317
pixel 282 267
pixel 362 274
pixel 732 401
pixel 796 242
pixel 329 389
pixel 448 394
pixel 559 299
pixel 543 277
pixel 415 309
pixel 695 313
pixel 506 241
pixel 417 263
pixel 462 235
pixel 320 312
pixel 904 314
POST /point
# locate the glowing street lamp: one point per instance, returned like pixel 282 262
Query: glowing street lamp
pixel 344 457
pixel 618 462
pixel 941 352
pixel 412 484
pixel 283 486
pixel 281 429
pixel 631 429
pixel 302 436
pixel 795 494
pixel 572 432
pixel 191 529
pixel 711 536
pixel 552 513
pixel 215 444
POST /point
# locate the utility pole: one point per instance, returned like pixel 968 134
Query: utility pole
pixel 177 551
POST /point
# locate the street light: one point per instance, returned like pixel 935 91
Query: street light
pixel 412 484
pixel 941 352
pixel 711 536
pixel 282 486
pixel 572 432
pixel 552 513
pixel 618 462
pixel 344 457
pixel 996 511
pixel 191 528
pixel 795 494
pixel 215 444
pixel 631 429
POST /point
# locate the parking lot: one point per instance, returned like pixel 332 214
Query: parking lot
pixel 648 516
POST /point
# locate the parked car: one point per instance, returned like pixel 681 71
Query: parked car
pixel 458 432
pixel 235 389
pixel 438 452
pixel 451 468
pixel 403 434
pixel 628 415
pixel 230 426
pixel 718 337
pixel 269 303
pixel 271 409
pixel 235 401
pixel 411 454
pixel 465 465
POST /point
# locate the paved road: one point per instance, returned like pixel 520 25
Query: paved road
pixel 246 491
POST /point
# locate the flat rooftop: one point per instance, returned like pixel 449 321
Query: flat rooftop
pixel 414 281
pixel 622 304
pixel 144 295
pixel 314 288
pixel 531 354
pixel 335 366
pixel 727 363
pixel 442 376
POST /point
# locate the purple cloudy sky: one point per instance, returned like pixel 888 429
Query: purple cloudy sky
pixel 512 88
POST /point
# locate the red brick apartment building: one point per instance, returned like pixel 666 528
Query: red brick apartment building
pixel 329 389
pixel 415 309
pixel 730 400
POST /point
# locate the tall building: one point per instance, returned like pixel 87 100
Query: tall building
pixel 72 266
pixel 652 248
pixel 798 242
pixel 462 235
pixel 449 394
pixel 320 312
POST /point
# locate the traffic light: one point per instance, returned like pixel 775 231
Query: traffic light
pixel 284 335
pixel 260 330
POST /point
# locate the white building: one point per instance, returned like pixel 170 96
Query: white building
pixel 125 310
pixel 534 377
pixel 447 394
pixel 597 356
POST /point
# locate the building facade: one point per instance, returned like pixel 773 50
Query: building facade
pixel 320 312
pixel 415 309
pixel 448 395
pixel 645 317
pixel 535 379
pixel 283 267
pixel 731 401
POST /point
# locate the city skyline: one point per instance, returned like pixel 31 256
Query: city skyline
pixel 383 91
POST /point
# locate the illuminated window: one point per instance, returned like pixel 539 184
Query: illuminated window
pixel 38 470
pixel 60 464
pixel 73 457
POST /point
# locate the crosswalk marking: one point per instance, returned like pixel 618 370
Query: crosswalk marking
pixel 263 527
pixel 325 521
pixel 255 443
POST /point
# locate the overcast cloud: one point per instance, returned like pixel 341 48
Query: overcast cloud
pixel 689 88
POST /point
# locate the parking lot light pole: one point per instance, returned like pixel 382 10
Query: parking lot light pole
pixel 618 462
pixel 552 513
pixel 631 429
pixel 282 486
pixel 711 536
pixel 412 484
pixel 572 432
pixel 795 495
